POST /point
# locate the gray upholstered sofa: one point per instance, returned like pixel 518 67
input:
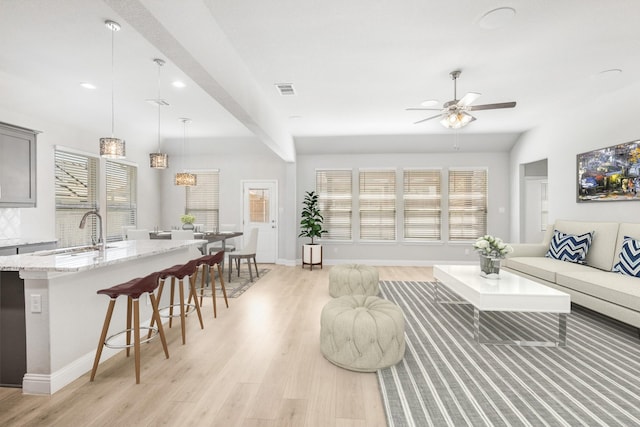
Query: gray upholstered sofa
pixel 593 285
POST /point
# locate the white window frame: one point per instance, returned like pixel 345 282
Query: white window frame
pixel 377 206
pixel 76 192
pixel 470 204
pixel 203 199
pixel 121 183
pixel 335 201
pixel 422 204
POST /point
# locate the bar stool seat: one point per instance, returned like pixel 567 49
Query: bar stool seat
pixel 132 289
pixel 208 262
pixel 180 272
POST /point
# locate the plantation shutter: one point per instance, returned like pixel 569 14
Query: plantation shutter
pixel 377 204
pixel 76 180
pixel 422 211
pixel 467 204
pixel 334 189
pixel 122 199
pixel 202 200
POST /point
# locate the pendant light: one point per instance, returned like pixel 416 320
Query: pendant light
pixel 159 160
pixel 184 178
pixel 112 147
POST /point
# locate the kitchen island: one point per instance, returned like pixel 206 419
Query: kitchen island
pixel 63 313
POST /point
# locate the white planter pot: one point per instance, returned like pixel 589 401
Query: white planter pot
pixel 312 255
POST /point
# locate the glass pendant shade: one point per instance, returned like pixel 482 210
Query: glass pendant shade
pixel 185 179
pixel 159 160
pixel 112 148
pixel 456 119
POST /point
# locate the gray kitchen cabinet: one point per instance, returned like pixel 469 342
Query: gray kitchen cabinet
pixel 17 167
pixel 13 341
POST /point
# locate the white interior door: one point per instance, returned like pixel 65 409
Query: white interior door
pixel 535 209
pixel 260 210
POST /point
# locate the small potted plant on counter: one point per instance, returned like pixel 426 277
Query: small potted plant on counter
pixel 187 221
pixel 311 226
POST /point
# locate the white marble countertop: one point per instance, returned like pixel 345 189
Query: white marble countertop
pixel 8 243
pixel 116 252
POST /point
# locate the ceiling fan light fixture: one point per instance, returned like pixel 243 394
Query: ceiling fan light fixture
pixel 456 119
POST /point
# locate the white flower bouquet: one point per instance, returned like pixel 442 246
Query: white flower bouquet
pixel 491 246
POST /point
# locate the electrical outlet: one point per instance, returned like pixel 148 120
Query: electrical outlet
pixel 467 251
pixel 36 304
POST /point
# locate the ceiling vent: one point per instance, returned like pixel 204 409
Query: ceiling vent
pixel 285 89
pixel 158 102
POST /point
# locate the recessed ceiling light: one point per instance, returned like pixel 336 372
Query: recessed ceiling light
pixel 429 103
pixel 178 84
pixel 87 85
pixel 295 117
pixel 496 18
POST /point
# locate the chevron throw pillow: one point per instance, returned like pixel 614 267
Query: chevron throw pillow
pixel 569 247
pixel 629 263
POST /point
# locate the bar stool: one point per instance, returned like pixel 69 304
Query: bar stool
pixel 208 262
pixel 180 272
pixel 132 289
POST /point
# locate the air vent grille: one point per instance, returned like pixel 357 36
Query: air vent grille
pixel 285 89
pixel 158 102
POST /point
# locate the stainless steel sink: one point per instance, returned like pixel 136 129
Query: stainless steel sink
pixel 76 250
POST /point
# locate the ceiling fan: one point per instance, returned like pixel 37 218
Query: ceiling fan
pixel 454 114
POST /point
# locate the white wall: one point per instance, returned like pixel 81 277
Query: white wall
pixel 237 159
pixel 605 121
pixel 399 253
pixel 39 222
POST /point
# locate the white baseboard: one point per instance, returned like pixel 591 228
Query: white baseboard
pixel 392 262
pixel 50 383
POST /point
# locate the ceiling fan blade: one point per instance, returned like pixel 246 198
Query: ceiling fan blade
pixel 428 118
pixel 468 99
pixel 492 106
pixel 423 109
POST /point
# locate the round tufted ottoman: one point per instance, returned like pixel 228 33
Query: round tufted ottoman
pixel 353 279
pixel 362 333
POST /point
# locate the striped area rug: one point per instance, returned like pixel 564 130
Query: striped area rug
pixel 446 379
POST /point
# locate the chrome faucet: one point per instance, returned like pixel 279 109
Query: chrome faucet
pixel 83 222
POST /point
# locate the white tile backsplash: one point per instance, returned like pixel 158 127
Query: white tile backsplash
pixel 9 223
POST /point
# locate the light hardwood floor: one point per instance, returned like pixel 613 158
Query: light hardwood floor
pixel 257 364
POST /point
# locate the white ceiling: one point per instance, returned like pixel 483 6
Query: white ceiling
pixel 355 65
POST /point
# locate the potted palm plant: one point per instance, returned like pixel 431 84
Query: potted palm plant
pixel 311 226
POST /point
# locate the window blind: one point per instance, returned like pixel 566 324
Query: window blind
pixel 202 200
pixel 122 199
pixel 76 180
pixel 422 211
pixel 377 204
pixel 467 204
pixel 334 189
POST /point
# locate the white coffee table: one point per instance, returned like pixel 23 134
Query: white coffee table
pixel 508 293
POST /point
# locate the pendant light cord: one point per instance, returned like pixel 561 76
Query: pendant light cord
pixel 159 106
pixel 112 82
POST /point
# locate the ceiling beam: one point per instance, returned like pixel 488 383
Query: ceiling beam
pixel 188 35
